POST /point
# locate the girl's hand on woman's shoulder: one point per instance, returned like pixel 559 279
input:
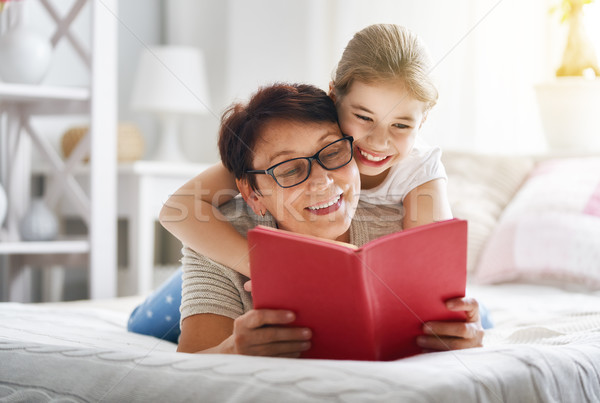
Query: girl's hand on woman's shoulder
pixel 260 332
pixel 441 335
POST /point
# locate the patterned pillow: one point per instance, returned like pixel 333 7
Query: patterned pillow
pixel 479 188
pixel 550 232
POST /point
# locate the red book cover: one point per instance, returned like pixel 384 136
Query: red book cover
pixel 366 303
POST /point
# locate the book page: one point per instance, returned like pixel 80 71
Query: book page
pixel 316 238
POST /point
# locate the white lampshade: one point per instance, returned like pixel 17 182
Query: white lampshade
pixel 171 79
pixel 170 82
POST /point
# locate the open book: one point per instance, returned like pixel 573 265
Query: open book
pixel 366 303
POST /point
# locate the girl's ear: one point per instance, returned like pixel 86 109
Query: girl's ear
pixel 332 91
pixel 251 197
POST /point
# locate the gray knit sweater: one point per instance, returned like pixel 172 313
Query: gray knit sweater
pixel 209 287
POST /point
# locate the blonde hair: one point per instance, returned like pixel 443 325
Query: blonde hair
pixel 386 52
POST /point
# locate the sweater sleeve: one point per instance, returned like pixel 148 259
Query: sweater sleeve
pixel 208 287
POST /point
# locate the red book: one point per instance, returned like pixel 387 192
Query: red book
pixel 366 303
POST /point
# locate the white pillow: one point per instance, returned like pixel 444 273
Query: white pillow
pixel 479 188
pixel 550 232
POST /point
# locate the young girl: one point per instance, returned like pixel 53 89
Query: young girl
pixel 383 94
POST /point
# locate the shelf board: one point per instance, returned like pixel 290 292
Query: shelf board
pixel 162 168
pixel 47 247
pixel 140 167
pixel 36 93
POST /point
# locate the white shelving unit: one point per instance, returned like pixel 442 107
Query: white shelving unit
pixel 37 93
pixel 41 248
pixel 18 104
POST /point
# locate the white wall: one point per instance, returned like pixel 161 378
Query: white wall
pixel 141 24
pixel 203 24
pixel 246 44
pixel 487 55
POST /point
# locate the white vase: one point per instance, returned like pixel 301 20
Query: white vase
pixel 570 114
pixel 25 56
pixel 3 205
pixel 39 222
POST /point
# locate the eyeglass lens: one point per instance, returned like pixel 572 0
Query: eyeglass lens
pixel 294 171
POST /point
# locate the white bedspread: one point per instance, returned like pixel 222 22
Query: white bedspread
pixel 545 347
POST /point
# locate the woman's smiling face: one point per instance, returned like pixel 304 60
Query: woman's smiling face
pixel 324 204
pixel 384 120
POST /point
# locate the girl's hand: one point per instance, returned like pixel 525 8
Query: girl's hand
pixel 441 335
pixel 258 332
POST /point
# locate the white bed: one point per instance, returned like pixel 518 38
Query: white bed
pixel 545 346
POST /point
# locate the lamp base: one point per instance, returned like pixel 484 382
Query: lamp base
pixel 168 148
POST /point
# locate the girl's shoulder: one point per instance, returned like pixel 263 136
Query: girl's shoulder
pixel 422 153
pixel 423 164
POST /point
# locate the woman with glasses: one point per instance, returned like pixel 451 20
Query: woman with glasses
pixel 295 171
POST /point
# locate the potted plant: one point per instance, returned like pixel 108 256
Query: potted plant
pixel 569 104
pixel 579 57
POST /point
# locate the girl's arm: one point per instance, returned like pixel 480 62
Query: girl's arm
pixel 423 205
pixel 192 215
pixel 426 203
pixel 257 332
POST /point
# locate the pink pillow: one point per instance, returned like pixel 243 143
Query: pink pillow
pixel 550 232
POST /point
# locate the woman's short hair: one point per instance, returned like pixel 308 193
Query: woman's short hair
pixel 242 123
pixel 386 52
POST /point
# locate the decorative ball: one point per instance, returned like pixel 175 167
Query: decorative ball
pixel 130 143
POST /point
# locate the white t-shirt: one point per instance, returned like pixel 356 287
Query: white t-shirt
pixel 422 165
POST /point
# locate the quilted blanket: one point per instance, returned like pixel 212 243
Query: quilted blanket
pixel 545 347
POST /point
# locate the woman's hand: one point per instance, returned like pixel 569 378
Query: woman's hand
pixel 248 286
pixel 259 332
pixel 441 335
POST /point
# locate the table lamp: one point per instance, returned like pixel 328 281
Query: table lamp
pixel 170 82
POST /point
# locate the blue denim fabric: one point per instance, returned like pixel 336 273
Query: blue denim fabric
pixel 159 315
pixel 486 318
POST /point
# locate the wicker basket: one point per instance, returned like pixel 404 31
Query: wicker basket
pixel 130 143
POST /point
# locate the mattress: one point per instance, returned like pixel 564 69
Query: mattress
pixel 545 347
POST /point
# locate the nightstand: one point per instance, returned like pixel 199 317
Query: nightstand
pixel 143 188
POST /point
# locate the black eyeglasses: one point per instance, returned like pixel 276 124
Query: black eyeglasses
pixel 295 171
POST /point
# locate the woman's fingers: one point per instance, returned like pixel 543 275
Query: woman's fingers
pixel 451 335
pixel 259 332
pixel 464 330
pixel 469 305
pixel 248 286
pixel 280 341
pixel 441 335
pixel 276 334
pixel 429 343
pixel 290 348
pixel 260 317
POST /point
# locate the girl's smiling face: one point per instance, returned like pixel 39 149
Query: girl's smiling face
pixel 384 120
